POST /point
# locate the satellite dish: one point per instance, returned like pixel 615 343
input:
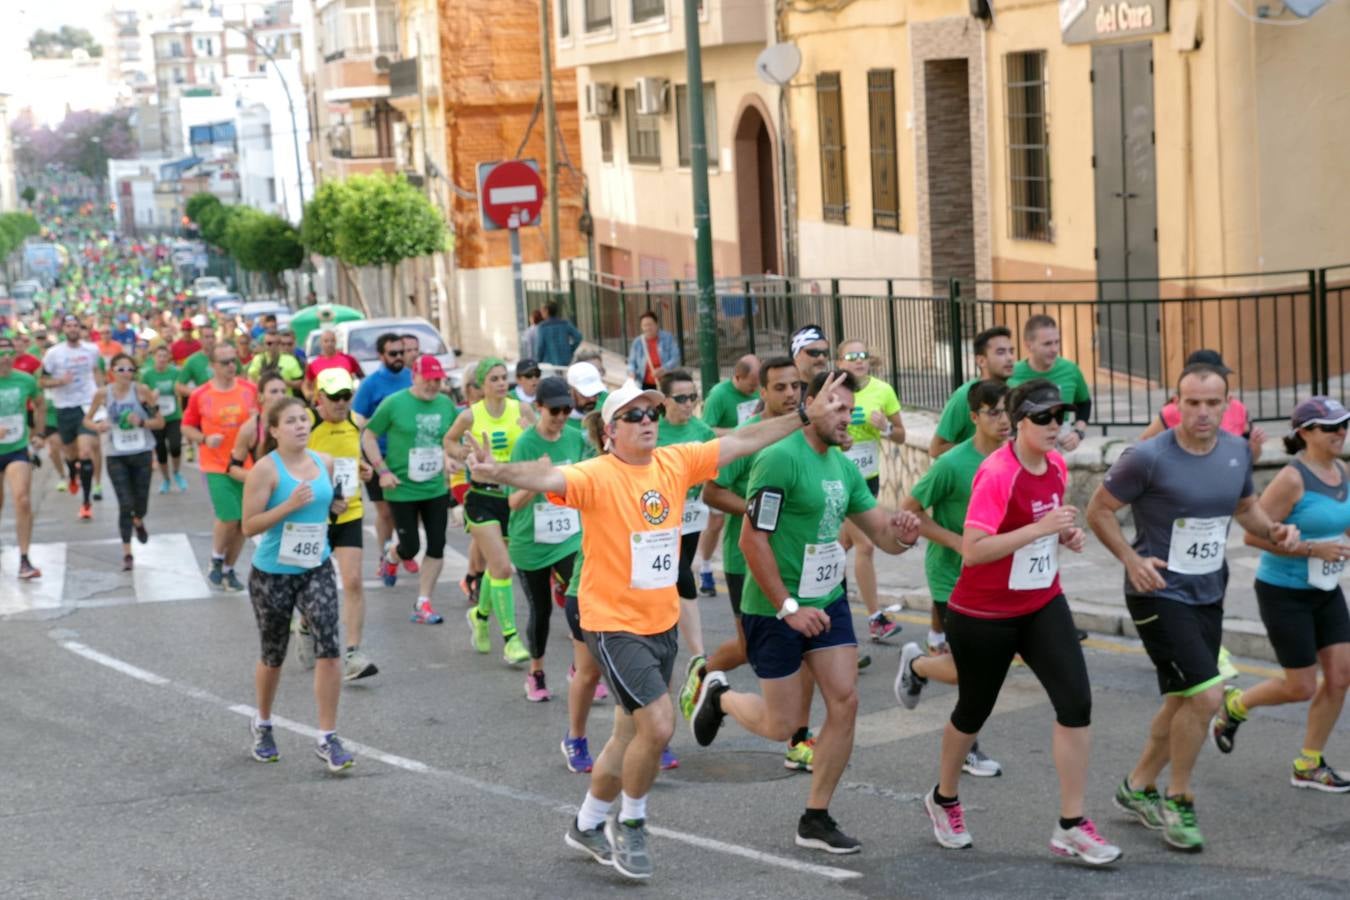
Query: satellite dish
pixel 778 64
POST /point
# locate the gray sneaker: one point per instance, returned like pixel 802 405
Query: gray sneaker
pixel 356 664
pixel 592 842
pixel 264 745
pixel 232 582
pixel 628 843
pixel 980 765
pixel 908 685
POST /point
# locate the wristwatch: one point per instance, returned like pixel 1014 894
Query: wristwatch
pixel 801 411
pixel 789 607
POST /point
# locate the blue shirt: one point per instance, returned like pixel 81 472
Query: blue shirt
pixel 374 388
pixel 315 512
pixel 1321 514
pixel 126 337
pixel 555 342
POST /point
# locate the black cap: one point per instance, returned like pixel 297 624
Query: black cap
pixel 527 367
pixel 1208 358
pixel 1039 399
pixel 552 393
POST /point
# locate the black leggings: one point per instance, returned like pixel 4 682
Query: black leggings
pixel 687 585
pixel 432 513
pixel 1047 639
pixel 169 441
pixel 539 592
pixel 130 477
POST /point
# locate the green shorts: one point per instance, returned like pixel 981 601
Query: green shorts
pixel 227 496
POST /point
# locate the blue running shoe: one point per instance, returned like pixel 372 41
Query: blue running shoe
pixel 334 755
pixel 264 745
pixel 577 754
pixel 669 760
pixel 164 486
pixel 180 482
pixel 706 587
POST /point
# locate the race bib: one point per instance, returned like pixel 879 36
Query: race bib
pixel 822 570
pixel 167 404
pixel 554 524
pixel 129 440
pixel 1034 566
pixel 302 544
pixel 425 463
pixel 745 410
pixel 695 517
pixel 345 476
pixel 1198 545
pixel 866 455
pixel 1323 575
pixel 655 559
pixel 11 429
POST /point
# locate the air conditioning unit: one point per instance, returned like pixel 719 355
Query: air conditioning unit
pixel 599 100
pixel 651 96
pixel 383 63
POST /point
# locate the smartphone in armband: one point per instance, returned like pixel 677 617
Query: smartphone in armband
pixel 765 508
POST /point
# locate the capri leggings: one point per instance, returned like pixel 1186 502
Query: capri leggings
pixel 432 514
pixel 687 585
pixel 130 477
pixel 983 649
pixel 274 597
pixel 169 441
pixel 539 591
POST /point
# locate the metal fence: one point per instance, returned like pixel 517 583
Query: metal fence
pixel 1284 333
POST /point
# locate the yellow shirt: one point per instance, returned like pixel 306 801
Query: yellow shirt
pixel 342 441
pixel 502 431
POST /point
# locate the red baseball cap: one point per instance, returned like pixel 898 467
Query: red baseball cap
pixel 428 367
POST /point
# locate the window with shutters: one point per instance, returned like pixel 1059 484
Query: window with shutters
pixel 833 185
pixel 709 123
pixel 885 164
pixel 644 132
pixel 606 141
pixel 1028 147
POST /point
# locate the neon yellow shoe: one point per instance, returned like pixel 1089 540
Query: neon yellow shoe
pixel 478 631
pixel 800 757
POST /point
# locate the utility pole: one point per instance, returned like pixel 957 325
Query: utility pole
pixel 550 141
pixel 709 371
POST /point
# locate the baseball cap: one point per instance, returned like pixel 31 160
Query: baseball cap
pixel 1208 358
pixel 527 368
pixel 427 366
pixel 1039 399
pixel 585 379
pixel 335 381
pixel 553 393
pixel 1318 411
pixel 615 402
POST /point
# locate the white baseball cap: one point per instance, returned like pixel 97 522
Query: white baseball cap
pixel 618 400
pixel 585 379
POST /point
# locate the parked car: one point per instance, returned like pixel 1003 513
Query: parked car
pixel 358 339
pixel 25 290
pixel 208 285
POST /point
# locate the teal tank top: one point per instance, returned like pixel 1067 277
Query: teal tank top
pixel 299 542
pixel 1321 514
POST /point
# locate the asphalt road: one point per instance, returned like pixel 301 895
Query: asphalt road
pixel 126 770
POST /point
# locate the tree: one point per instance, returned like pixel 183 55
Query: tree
pixel 62 43
pixel 29 194
pixel 262 242
pixel 83 142
pixel 215 224
pixel 383 220
pixel 15 228
pixel 202 205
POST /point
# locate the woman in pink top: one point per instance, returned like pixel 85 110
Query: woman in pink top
pixel 1007 601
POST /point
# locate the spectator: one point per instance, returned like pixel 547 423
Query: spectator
pixel 1040 337
pixel 1236 421
pixel 527 340
pixel 653 353
pixel 555 338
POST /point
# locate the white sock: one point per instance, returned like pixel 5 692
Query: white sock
pixel 325 736
pixel 632 809
pixel 936 638
pixel 705 566
pixel 592 813
pixel 262 723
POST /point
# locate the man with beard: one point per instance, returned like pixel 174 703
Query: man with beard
pixel 391 377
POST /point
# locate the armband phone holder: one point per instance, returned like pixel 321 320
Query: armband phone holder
pixel 765 508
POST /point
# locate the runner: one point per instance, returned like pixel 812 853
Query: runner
pixel 801 491
pixel 728 405
pixel 391 377
pixel 544 538
pixel 71 373
pixel 329 358
pixel 17 390
pixel 1299 592
pixel 945 489
pixel 1040 336
pixel 215 412
pixel 1235 418
pixel 527 381
pixel 132 413
pixel 584 684
pixel 412 477
pixel 1183 487
pixel 274 357
pixel 1008 601
pixel 631 500
pixel 288 499
pixel 995 357
pixel 162 378
pixel 252 434
pixel 876 415
pixel 588 393
pixel 810 351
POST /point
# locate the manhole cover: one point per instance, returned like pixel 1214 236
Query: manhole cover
pixel 734 766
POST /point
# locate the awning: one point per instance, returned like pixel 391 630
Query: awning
pixel 214 133
pixel 174 171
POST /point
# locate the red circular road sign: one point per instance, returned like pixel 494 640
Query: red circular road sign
pixel 512 187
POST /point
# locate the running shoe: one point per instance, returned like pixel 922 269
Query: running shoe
pixel 306 648
pixel 264 745
pixel 693 680
pixel 628 844
pixel 1145 804
pixel 559 592
pixel 880 628
pixel 423 614
pixel 63 487
pixel 980 765
pixel 356 664
pixel 801 756
pixel 411 567
pixel 937 643
pixel 334 755
pixel 536 691
pixel 821 832
pixel 73 486
pixel 86 512
pixel 1179 824
pixel 1322 778
pixel 593 842
pixel 388 572
pixel 164 486
pixel 864 660
pixel 232 582
pixel 708 715
pixel 949 823
pixel 706 586
pixel 1227 671
pixel 479 638
pixel 180 482
pixel 514 651
pixel 217 574
pixel 908 685
pixel 669 760
pixel 28 571
pixel 128 562
pixel 1224 728
pixel 601 692
pixel 98 491
pixel 141 534
pixel 578 754
pixel 1083 842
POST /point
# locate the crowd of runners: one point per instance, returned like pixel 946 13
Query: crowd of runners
pixel 613 503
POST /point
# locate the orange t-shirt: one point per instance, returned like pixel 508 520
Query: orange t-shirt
pixel 619 505
pixel 214 411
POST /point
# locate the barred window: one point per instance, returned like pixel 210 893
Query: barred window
pixel 644 132
pixel 885 165
pixel 709 123
pixel 833 185
pixel 1028 147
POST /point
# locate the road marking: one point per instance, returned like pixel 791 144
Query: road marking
pixel 421 768
pixel 167 570
pixel 41 593
pixel 894 724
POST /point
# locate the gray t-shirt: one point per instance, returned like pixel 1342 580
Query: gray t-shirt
pixel 1171 493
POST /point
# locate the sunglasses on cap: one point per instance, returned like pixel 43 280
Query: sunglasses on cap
pixel 1046 416
pixel 817 354
pixel 340 396
pixel 857 356
pixel 636 416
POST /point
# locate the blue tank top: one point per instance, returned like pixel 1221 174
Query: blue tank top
pixel 306 538
pixel 126 441
pixel 1321 514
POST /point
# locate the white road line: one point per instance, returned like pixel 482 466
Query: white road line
pixel 412 765
pixel 41 593
pixel 161 573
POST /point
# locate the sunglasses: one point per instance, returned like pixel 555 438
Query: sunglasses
pixel 560 410
pixel 994 413
pixel 393 353
pixel 636 416
pixel 684 398
pixel 1045 417
pixel 124 370
pixel 227 362
pixel 340 396
pixel 857 356
pixel 1333 429
pixel 817 354
pixel 534 373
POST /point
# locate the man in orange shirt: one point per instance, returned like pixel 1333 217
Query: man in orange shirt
pixel 631 501
pixel 214 413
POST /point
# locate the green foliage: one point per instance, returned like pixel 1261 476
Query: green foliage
pixel 214 223
pixel 15 228
pixel 318 228
pixel 58 44
pixel 29 194
pixel 372 220
pixel 201 205
pixel 262 242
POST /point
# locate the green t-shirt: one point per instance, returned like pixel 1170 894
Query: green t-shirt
pixel 414 426
pixel 726 407
pixel 162 383
pixel 1073 387
pixel 16 389
pixel 695 430
pixel 945 490
pixel 574 586
pixel 196 370
pixel 735 476
pixel 819 491
pixel 877 396
pixel 526 553
pixel 954 426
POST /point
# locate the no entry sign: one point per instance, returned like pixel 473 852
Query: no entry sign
pixel 511 188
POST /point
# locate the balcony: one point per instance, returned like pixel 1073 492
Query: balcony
pixel 353 79
pixel 609 31
pixel 342 168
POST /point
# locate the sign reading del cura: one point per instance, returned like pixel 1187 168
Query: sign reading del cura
pixel 1085 21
